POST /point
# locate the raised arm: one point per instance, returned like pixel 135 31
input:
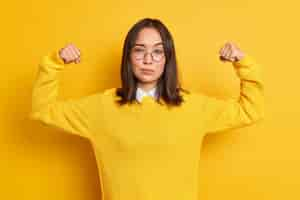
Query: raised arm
pixel 247 109
pixel 74 116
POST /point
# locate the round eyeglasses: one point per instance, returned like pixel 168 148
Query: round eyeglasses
pixel 139 53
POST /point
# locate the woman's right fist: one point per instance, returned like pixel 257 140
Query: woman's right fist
pixel 70 53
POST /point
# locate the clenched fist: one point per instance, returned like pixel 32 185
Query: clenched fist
pixel 70 53
pixel 230 52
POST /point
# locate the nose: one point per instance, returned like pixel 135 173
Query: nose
pixel 148 58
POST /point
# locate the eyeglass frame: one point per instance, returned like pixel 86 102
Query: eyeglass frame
pixel 163 55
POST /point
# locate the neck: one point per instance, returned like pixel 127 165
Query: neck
pixel 146 86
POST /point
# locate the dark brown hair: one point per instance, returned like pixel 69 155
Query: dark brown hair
pixel 168 86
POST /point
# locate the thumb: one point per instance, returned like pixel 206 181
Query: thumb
pixel 77 60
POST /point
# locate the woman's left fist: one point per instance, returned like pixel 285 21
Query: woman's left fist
pixel 230 52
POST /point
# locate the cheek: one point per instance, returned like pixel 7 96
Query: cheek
pixel 160 68
pixel 135 65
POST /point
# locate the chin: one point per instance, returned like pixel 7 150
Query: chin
pixel 146 80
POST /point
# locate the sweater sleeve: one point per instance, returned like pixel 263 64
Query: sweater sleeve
pixel 247 109
pixel 71 115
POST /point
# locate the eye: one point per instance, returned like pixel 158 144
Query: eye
pixel 138 49
pixel 158 51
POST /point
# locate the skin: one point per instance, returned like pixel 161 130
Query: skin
pixel 231 52
pixel 147 39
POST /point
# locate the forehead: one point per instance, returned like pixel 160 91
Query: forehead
pixel 148 37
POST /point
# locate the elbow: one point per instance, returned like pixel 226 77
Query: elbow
pixel 261 116
pixel 34 116
pixel 38 116
pixel 253 115
pixel 260 112
pixel 258 116
pixel 254 111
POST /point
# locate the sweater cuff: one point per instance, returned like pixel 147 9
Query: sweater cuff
pixel 246 61
pixel 53 61
pixel 54 56
pixel 248 69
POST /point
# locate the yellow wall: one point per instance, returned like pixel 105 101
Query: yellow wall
pixel 257 162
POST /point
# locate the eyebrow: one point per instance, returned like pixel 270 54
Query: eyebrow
pixel 156 44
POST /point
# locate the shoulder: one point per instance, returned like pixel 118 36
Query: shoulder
pixel 109 91
pixel 191 94
pixel 197 98
pixel 109 94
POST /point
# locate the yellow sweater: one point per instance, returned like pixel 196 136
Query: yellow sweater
pixel 146 151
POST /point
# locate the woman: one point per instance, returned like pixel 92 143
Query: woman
pixel 147 134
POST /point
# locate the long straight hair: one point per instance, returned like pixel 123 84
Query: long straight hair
pixel 168 86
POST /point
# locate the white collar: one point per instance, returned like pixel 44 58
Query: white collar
pixel 140 93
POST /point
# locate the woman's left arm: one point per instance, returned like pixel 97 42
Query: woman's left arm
pixel 222 115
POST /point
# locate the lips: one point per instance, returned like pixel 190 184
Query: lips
pixel 147 71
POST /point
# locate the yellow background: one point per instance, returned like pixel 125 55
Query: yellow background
pixel 259 162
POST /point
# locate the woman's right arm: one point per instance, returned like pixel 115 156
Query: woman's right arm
pixel 75 116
